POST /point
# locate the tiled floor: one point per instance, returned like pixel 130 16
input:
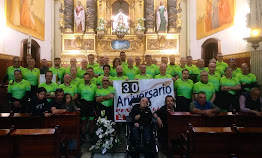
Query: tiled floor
pixel 119 154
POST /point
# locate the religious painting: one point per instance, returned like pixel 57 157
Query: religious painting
pixel 213 16
pixel 120 45
pixel 26 16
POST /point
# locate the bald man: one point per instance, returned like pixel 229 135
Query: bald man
pixel 73 63
pixel 82 70
pixel 220 62
pixel 163 73
pixel 68 87
pixel 247 80
pixel 130 71
pixel 181 67
pixel 119 72
pixel 199 69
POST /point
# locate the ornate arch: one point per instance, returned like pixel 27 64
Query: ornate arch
pixel 211 42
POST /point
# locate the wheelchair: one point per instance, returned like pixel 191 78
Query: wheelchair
pixel 134 150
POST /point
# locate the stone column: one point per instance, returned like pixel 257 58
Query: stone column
pixel 174 15
pixel 91 16
pixel 149 16
pixel 69 16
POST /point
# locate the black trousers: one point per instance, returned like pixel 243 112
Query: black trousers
pixel 109 111
pixel 182 104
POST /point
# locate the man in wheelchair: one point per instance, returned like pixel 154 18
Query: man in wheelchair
pixel 142 123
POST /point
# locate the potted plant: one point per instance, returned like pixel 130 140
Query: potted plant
pixel 140 29
pixel 101 26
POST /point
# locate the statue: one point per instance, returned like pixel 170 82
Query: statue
pixel 161 18
pixel 79 18
pixel 120 20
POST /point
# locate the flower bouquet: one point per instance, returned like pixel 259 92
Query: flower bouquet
pixel 140 25
pixel 106 134
pixel 101 25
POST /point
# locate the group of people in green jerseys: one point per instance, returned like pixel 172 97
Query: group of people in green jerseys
pixel 90 86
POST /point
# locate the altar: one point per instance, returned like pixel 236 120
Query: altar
pixel 106 27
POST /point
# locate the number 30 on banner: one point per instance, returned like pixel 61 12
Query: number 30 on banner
pixel 130 87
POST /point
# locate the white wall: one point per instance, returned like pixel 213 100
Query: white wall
pixel 231 38
pixel 10 39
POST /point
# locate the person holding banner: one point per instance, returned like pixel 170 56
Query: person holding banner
pixel 120 76
pixel 105 96
pixel 49 86
pixel 142 75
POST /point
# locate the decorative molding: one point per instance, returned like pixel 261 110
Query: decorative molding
pixel 105 44
pixel 70 44
pixel 161 44
pixel 237 55
pixel 8 57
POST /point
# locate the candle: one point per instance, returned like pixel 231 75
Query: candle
pixel 29 45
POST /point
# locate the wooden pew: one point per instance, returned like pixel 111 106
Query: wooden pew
pixel 69 125
pixel 25 121
pixel 247 142
pixel 32 143
pixel 6 149
pixel 178 122
pixel 207 142
pixel 5 121
pixel 248 120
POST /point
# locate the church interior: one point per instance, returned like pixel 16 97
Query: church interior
pixel 197 30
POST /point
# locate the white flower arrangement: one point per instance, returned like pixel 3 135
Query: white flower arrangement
pixel 121 29
pixel 106 134
pixel 101 25
pixel 140 24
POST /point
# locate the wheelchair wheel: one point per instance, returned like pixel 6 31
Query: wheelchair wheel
pixel 127 155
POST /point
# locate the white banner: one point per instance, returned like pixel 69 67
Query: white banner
pixel 155 89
